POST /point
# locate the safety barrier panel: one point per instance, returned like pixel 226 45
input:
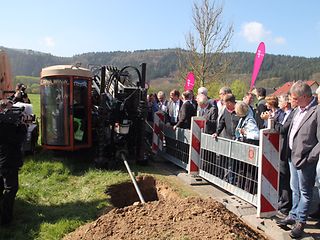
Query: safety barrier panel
pixel 149 134
pixel 231 165
pixel 268 173
pixel 177 146
pixel 157 140
pixel 247 171
pixel 197 127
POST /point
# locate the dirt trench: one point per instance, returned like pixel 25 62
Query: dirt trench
pixel 164 216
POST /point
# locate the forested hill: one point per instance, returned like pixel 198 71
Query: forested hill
pixel 163 63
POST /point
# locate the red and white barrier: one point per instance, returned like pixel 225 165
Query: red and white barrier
pixel 157 138
pixel 268 179
pixel 197 127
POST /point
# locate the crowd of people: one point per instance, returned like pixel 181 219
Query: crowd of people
pixel 296 116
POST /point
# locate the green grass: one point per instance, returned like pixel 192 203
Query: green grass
pixel 57 195
pixel 35 100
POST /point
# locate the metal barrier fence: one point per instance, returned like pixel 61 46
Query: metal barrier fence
pixel 176 146
pixel 247 171
pixel 230 165
pixel 149 133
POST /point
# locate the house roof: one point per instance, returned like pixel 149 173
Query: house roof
pixel 284 89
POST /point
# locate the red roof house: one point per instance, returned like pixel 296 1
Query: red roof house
pixel 284 89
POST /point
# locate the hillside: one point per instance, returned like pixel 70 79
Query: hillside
pixel 162 65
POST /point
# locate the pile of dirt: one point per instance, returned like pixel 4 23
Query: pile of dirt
pixel 170 217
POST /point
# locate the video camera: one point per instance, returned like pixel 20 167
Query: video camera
pixel 16 116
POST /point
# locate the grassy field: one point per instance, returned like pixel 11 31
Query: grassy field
pixel 57 194
pixel 60 192
pixel 35 100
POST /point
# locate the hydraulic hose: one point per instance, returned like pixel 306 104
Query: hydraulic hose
pixel 132 178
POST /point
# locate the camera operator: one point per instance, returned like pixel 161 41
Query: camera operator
pixel 20 95
pixel 11 139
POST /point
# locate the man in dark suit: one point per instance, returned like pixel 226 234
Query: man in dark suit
pixel 285 193
pixel 304 147
pixel 229 120
pixel 186 112
pixel 261 106
pixel 173 108
pixel 209 112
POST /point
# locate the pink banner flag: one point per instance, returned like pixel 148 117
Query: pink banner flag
pixel 257 63
pixel 189 81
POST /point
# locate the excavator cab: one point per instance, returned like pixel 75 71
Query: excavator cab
pixel 66 107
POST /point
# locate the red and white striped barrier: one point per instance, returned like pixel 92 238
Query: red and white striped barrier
pixel 268 179
pixel 157 138
pixel 197 127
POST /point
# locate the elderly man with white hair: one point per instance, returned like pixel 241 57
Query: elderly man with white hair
pixel 163 102
pixel 203 90
pixel 209 112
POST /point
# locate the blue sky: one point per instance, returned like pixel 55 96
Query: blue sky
pixel 66 28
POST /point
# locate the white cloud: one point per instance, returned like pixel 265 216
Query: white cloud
pixel 49 42
pixel 254 32
pixel 280 40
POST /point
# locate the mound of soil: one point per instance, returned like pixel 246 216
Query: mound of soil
pixel 170 217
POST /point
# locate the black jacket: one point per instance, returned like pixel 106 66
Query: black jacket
pixel 229 122
pixel 261 107
pixel 187 111
pixel 283 130
pixel 11 139
pixel 211 115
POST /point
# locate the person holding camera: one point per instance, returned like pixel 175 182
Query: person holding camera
pixel 12 137
pixel 20 95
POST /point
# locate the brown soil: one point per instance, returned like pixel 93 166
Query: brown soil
pixel 165 216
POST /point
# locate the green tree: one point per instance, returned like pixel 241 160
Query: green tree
pixel 239 88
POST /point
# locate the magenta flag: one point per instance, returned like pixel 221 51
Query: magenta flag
pixel 258 59
pixel 189 81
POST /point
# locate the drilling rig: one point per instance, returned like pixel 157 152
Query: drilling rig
pixel 99 107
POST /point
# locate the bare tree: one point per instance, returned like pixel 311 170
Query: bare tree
pixel 205 45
